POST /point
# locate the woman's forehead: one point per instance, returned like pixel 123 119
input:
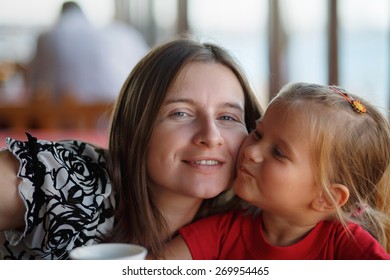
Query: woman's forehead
pixel 206 80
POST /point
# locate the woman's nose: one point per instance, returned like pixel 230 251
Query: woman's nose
pixel 208 134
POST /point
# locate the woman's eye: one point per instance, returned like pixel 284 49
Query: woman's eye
pixel 227 118
pixel 179 114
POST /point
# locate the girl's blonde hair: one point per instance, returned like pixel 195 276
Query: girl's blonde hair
pixel 348 148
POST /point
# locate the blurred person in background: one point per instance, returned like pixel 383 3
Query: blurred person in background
pixel 78 59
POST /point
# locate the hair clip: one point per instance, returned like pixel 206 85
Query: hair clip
pixel 359 210
pixel 356 104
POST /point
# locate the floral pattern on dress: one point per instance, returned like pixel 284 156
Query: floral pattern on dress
pixel 68 197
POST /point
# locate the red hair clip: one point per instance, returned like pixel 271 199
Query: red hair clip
pixel 356 104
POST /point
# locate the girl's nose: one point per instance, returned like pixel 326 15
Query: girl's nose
pixel 208 134
pixel 254 152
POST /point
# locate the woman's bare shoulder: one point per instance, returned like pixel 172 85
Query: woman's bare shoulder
pixel 11 205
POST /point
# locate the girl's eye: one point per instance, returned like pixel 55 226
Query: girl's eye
pixel 278 153
pixel 257 135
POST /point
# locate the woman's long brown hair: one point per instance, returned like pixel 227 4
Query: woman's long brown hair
pixel 138 220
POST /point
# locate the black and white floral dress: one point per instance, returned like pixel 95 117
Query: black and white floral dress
pixel 68 197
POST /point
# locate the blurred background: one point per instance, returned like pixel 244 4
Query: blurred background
pixel 343 42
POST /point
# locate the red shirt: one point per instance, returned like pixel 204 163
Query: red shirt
pixel 235 235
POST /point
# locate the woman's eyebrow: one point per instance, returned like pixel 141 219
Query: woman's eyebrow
pixel 179 100
pixel 234 105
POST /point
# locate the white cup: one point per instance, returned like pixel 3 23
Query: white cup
pixel 109 251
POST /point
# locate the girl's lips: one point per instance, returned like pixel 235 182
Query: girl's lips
pixel 245 171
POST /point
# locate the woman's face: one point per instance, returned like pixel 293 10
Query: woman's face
pixel 198 132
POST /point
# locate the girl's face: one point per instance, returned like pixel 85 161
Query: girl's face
pixel 274 170
pixel 198 132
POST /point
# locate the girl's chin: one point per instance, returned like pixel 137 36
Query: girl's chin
pixel 239 190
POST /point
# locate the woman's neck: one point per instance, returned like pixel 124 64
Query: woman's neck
pixel 178 210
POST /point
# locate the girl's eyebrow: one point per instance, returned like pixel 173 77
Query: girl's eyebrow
pixel 259 121
pixel 234 105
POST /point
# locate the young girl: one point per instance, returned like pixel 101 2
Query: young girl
pixel 316 172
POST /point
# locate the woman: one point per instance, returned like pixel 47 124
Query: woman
pixel 176 130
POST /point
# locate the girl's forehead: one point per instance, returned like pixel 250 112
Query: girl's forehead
pixel 295 119
pixel 296 110
pixel 283 111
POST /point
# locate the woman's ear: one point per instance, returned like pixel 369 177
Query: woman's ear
pixel 323 203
